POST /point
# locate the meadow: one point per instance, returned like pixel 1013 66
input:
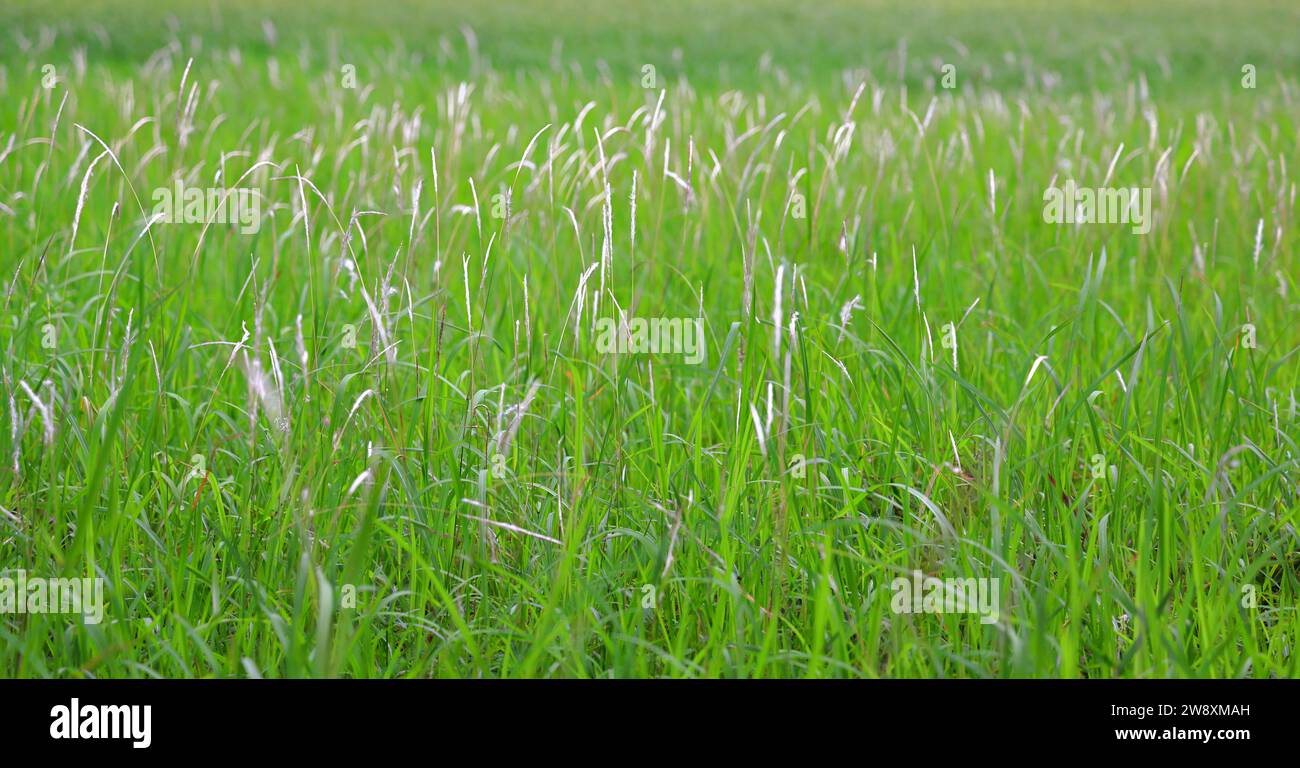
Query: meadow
pixel 409 397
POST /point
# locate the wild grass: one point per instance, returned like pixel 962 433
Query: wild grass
pixel 186 419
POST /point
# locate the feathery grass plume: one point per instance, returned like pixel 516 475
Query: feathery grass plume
pixel 81 199
pixel 47 418
pixel 15 429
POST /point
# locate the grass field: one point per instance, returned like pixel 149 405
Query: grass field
pixel 376 429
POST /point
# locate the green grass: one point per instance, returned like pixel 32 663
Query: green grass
pixel 630 477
